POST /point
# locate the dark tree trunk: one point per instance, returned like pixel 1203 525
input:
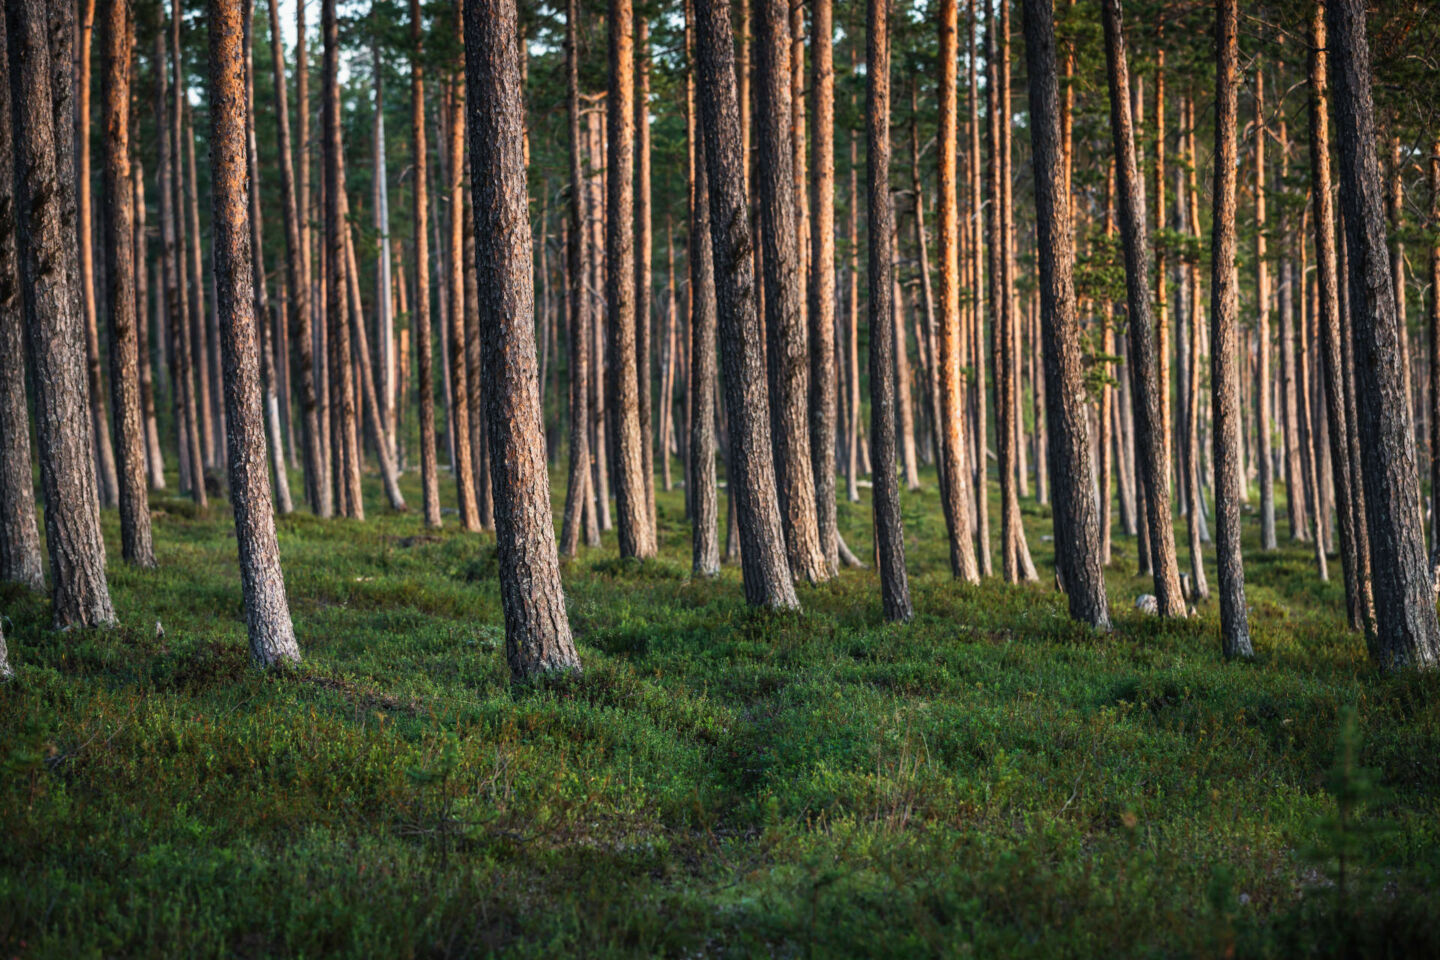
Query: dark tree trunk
pixel 267 611
pixel 637 539
pixel 1154 460
pixel 1434 338
pixel 577 489
pixel 889 533
pixel 296 281
pixel 154 457
pixel 537 629
pixel 750 464
pixel 1225 344
pixel 40 103
pixel 821 289
pixel 787 353
pixel 1077 525
pixel 429 469
pixel 20 560
pixel 136 545
pixel 704 510
pixel 1332 367
pixel 1406 633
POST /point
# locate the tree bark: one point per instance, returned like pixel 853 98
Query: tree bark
pixel 267 610
pixel 1434 324
pixel 820 308
pixel 136 545
pixel 1406 632
pixel 1143 363
pixel 40 101
pixel 537 629
pixel 154 456
pixel 1262 330
pixel 463 464
pixel 644 241
pixel 20 559
pixel 704 510
pixel 764 567
pixel 889 533
pixel 787 353
pixel 1078 538
pixel 578 486
pixel 429 467
pixel 1225 343
pixel 1328 318
pixel 637 539
pixel 982 240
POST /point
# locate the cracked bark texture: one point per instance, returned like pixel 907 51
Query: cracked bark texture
pixel 267 610
pixel 764 566
pixel 1078 539
pixel 537 629
pixel 40 101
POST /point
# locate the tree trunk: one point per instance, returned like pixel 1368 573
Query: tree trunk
pixel 20 560
pixel 100 425
pixel 1406 633
pixel 701 489
pixel 1328 318
pixel 1162 299
pixel 1144 366
pixel 852 326
pixel 637 539
pixel 751 477
pixel 1078 539
pixel 787 353
pixel 643 256
pixel 336 308
pixel 154 456
pixel 1262 330
pixel 820 308
pixel 1434 323
pixel 41 104
pixel 1189 224
pixel 578 486
pixel 537 628
pixel 479 440
pixel 429 468
pixel 955 471
pixel 462 464
pixel 1297 483
pixel 136 545
pixel 267 611
pixel 205 341
pixel 982 239
pixel 889 533
pixel 1225 343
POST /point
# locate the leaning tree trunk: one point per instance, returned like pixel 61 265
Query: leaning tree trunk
pixel 704 510
pixel 821 306
pixel 20 560
pixel 1406 633
pixel 296 276
pixel 267 610
pixel 889 533
pixel 136 545
pixel 537 629
pixel 751 468
pixel 40 101
pixel 1144 365
pixel 1331 348
pixel 429 471
pixel 637 538
pixel 787 353
pixel 1225 344
pixel 1078 539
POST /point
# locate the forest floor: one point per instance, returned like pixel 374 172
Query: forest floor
pixel 989 779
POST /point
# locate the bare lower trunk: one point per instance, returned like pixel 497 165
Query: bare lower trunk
pixel 154 457
pixel 429 467
pixel 369 391
pixel 537 629
pixel 461 463
pixel 821 304
pixel 977 212
pixel 643 251
pixel 704 511
pixel 1262 331
pixel 578 486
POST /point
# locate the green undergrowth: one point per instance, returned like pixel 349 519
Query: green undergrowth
pixel 990 779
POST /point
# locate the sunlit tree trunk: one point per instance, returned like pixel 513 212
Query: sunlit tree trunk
pixel 462 462
pixel 979 210
pixel 1263 385
pixel 644 243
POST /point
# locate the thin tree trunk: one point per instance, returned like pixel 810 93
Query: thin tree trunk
pixel 1434 324
pixel 537 628
pixel 643 256
pixel 1162 299
pixel 787 353
pixel 207 357
pixel 1262 330
pixel 852 326
pixel 820 308
pixel 1195 507
pixel 704 510
pixel 136 545
pixel 750 468
pixel 154 456
pixel 1078 539
pixel 577 487
pixel 463 464
pixel 369 390
pixel 1143 363
pixel 982 239
pixel 20 559
pixel 429 468
pixel 1406 632
pixel 889 533
pixel 1224 345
